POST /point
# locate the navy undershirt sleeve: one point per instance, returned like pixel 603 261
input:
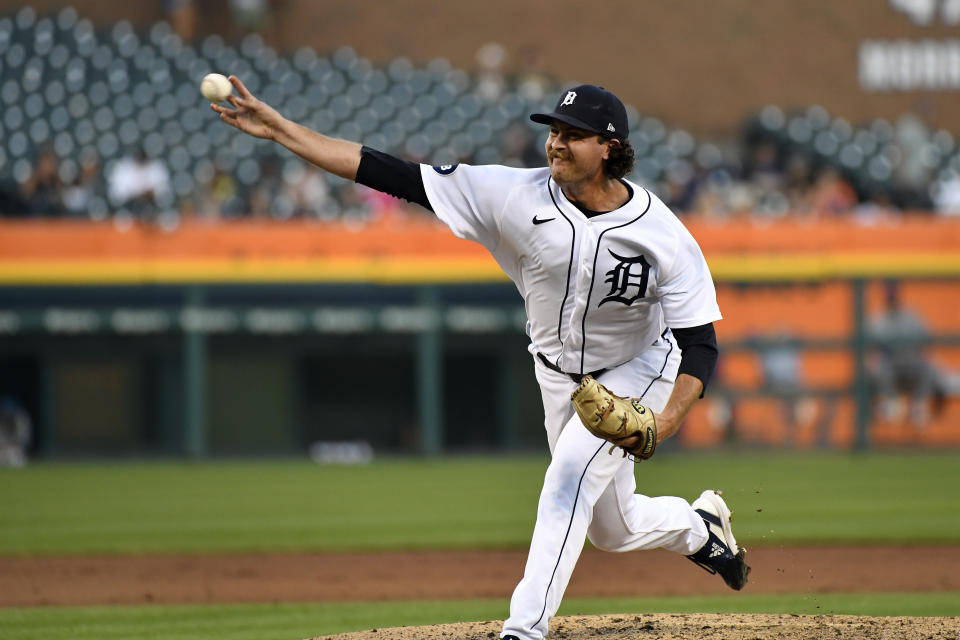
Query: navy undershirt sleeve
pixel 391 175
pixel 698 352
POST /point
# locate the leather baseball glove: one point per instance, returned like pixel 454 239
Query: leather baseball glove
pixel 608 416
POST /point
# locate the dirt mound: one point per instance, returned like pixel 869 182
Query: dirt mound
pixel 692 627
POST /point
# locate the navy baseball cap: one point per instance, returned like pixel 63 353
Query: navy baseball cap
pixel 591 108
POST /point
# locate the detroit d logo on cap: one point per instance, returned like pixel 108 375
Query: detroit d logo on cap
pixel 569 98
pixel 445 169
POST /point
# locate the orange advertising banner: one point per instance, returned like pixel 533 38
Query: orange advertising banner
pixel 423 250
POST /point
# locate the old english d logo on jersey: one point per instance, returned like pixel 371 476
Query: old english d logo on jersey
pixel 624 280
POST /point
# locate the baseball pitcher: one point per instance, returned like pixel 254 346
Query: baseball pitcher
pixel 620 309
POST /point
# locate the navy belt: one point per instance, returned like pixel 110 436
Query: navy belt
pixel 576 377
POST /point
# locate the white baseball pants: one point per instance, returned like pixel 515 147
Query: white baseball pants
pixel 588 492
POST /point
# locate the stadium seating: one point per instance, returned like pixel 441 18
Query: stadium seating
pixel 867 155
pixel 79 89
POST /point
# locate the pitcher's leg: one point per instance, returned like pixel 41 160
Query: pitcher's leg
pixel 622 519
pixel 577 476
pixel 627 521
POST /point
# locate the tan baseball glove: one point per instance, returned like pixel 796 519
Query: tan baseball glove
pixel 608 416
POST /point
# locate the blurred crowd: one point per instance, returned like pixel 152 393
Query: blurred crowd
pixel 768 175
pixel 139 144
pixel 139 187
pixel 757 177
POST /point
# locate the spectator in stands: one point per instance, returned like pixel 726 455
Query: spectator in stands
pixel 765 177
pixel 831 194
pixel 781 361
pixel 491 82
pixel 912 137
pixel 15 433
pixel 42 192
pixel 680 186
pixel 719 196
pixel 899 367
pixel 139 184
pixel 762 166
pixel 250 16
pixel 378 206
pixel 945 194
pixel 264 198
pixel 876 207
pixel 308 191
pixel 796 182
pixel 226 197
pixel 220 197
pixel 356 203
pixel 533 82
pixel 182 14
pixel 78 196
pixel 518 147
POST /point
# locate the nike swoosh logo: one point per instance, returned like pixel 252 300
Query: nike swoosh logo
pixel 537 220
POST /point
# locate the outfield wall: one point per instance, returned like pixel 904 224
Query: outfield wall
pixel 256 337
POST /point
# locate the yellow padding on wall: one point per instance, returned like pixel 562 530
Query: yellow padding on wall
pixel 725 268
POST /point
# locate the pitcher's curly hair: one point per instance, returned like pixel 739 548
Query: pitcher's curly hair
pixel 620 162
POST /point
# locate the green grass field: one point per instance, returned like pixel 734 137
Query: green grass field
pixel 207 507
pixel 474 502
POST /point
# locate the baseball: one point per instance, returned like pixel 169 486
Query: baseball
pixel 215 87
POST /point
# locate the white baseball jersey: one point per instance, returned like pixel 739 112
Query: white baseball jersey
pixel 600 293
pixel 597 290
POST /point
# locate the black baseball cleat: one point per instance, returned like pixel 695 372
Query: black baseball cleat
pixel 720 554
